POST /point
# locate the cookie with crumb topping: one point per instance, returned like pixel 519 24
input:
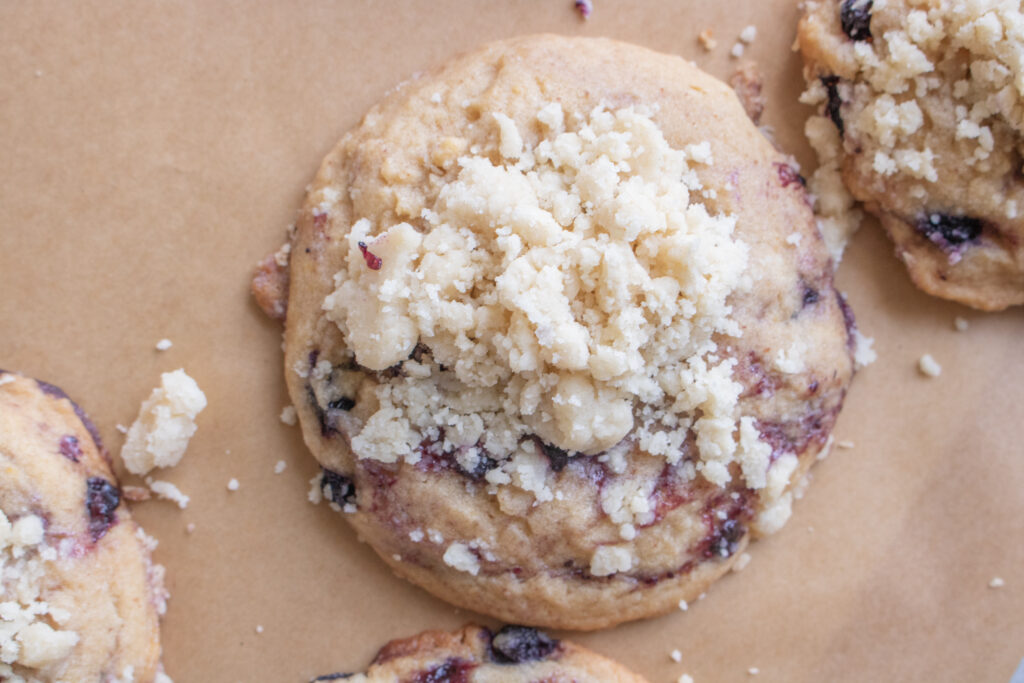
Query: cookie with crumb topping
pixel 561 331
pixel 922 107
pixel 474 653
pixel 79 597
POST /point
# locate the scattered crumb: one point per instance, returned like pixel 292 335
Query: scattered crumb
pixel 959 324
pixel 845 444
pixel 288 415
pixel 279 467
pixel 737 50
pixel 584 7
pixel 233 484
pixel 168 491
pixel 136 494
pixel 259 628
pixel 863 354
pixel 794 239
pixel 706 38
pixel 996 582
pixel 6 379
pixel 741 562
pixel 676 656
pixel 683 606
pixel 753 671
pixel 121 428
pixel 190 527
pixel 164 344
pixel 929 366
pixel 166 422
pixel 685 678
pixel 748 34
pixel 702 596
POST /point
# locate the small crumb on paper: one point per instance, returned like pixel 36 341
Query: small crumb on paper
pixel 259 628
pixel 676 656
pixel 929 366
pixel 279 467
pixel 748 34
pixel 683 606
pixel 136 494
pixel 959 324
pixel 233 484
pixel 168 491
pixel 845 444
pixel 288 415
pixel 753 671
pixel 190 527
pixel 737 50
pixel 996 582
pixel 706 38
pixel 685 678
pixel 121 428
pixel 164 344
pixel 166 422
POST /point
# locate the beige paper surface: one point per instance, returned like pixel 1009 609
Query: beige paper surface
pixel 151 153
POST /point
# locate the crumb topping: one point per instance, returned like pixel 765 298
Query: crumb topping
pixel 166 422
pixel 31 633
pixel 572 289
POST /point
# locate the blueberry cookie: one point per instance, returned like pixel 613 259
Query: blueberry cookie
pixel 515 654
pixel 79 597
pixel 922 102
pixel 561 331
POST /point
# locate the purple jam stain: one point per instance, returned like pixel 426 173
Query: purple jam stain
pixel 451 670
pixel 518 644
pixel 337 488
pixel 557 456
pixel 373 262
pixel 669 493
pixel 788 175
pixel 949 232
pixel 101 501
pixel 331 677
pixel 69 447
pixel 848 320
pixel 831 84
pixel 855 17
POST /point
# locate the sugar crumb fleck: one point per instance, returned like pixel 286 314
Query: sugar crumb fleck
pixel 289 416
pixel 996 582
pixel 929 366
pixel 706 38
pixel 960 324
pixel 233 484
pixel 748 34
pixel 737 50
pixel 279 467
pixel 164 344
pixel 683 606
pixel 676 656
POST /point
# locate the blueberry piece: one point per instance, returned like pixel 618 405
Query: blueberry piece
pixel 451 670
pixel 726 539
pixel 343 403
pixel 484 464
pixel 558 457
pixel 855 16
pixel 949 231
pixel 69 447
pixel 518 644
pixel 337 488
pixel 330 677
pixel 831 84
pixel 811 295
pixel 101 501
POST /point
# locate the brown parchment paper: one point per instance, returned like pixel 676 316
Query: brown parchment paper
pixel 152 152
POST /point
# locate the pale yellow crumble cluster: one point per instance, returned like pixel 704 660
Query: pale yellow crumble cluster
pixel 166 422
pixel 31 635
pixel 572 289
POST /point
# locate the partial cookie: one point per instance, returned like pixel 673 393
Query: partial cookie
pixel 562 331
pixel 79 597
pixel 924 102
pixel 515 654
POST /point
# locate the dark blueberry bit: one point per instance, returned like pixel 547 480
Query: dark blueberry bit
pixel 451 670
pixel 69 447
pixel 330 677
pixel 726 539
pixel 558 457
pixel 584 7
pixel 949 231
pixel 419 351
pixel 373 262
pixel 101 501
pixel 343 403
pixel 831 84
pixel 518 644
pixel 848 320
pixel 484 464
pixel 811 295
pixel 326 429
pixel 788 175
pixel 337 488
pixel 855 16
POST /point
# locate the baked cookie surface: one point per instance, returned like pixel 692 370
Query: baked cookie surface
pixel 926 106
pixel 514 654
pixel 562 332
pixel 79 597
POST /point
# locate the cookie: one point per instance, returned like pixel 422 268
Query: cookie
pixel 514 654
pixel 79 597
pixel 562 332
pixel 923 105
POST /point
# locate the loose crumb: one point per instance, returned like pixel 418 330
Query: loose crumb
pixel 706 38
pixel 121 428
pixel 584 7
pixel 676 656
pixel 996 582
pixel 190 527
pixel 845 444
pixel 288 415
pixel 685 678
pixel 168 491
pixel 748 34
pixel 6 379
pixel 259 628
pixel 929 366
pixel 279 467
pixel 753 671
pixel 233 485
pixel 164 344
pixel 683 606
pixel 959 324
pixel 166 422
pixel 136 494
pixel 737 50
